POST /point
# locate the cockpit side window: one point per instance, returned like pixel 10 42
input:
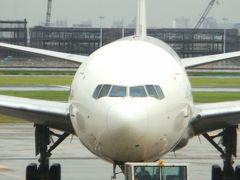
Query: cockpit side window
pixel 104 91
pixel 138 91
pixel 97 91
pixel 151 91
pixel 159 92
pixel 118 91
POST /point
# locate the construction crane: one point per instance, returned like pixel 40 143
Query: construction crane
pixel 48 16
pixel 204 15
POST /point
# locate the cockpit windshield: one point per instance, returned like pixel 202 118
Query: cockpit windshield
pixel 106 90
pixel 118 91
pixel 138 91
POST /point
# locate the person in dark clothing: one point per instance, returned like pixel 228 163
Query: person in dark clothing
pixel 143 175
pixel 156 175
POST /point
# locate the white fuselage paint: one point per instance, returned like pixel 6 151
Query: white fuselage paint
pixel 131 129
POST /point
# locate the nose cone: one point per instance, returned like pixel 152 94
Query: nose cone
pixel 127 122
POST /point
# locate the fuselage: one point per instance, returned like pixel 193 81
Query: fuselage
pixel 131 101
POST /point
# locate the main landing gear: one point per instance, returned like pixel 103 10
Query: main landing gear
pixel 43 148
pixel 228 151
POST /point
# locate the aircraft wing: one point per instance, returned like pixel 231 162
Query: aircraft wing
pixel 52 114
pixel 47 53
pixel 213 116
pixel 196 61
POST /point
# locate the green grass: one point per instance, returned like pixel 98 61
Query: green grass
pixel 37 72
pixel 9 119
pixel 48 80
pixel 198 81
pixel 210 73
pixel 72 72
pixel 46 95
pixel 207 97
pixel 67 80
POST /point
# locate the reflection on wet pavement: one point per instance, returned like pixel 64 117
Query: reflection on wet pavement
pixel 17 151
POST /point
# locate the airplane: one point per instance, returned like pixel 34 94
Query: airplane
pixel 130 101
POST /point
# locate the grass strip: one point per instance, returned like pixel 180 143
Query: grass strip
pixel 9 119
pixel 46 95
pixel 48 80
pixel 67 80
pixel 198 81
pixel 229 74
pixel 73 71
pixel 36 72
pixel 209 97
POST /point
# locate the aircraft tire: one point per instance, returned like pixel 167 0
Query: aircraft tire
pixel 31 171
pixel 55 172
pixel 237 172
pixel 216 172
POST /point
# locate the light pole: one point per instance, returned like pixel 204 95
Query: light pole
pixel 224 33
pixel 224 38
pixel 123 29
pixel 101 30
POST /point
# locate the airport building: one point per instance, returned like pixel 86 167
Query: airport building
pixel 74 40
pixel 13 32
pixel 186 42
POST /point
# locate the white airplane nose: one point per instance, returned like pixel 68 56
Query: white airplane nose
pixel 127 121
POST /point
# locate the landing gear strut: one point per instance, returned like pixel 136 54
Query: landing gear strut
pixel 121 166
pixel 229 150
pixel 42 143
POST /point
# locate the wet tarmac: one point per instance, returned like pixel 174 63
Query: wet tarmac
pixel 17 150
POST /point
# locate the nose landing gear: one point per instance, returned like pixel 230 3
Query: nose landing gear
pixel 114 177
pixel 121 166
pixel 228 151
pixel 42 142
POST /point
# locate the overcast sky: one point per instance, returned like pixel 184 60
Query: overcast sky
pixel 161 13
